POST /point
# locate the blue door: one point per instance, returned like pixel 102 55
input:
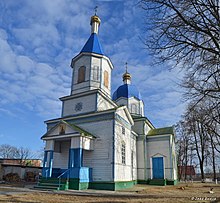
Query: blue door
pixel 158 171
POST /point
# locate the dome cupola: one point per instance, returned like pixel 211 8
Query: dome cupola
pixel 126 90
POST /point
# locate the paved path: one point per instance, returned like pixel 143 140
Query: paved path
pixel 9 190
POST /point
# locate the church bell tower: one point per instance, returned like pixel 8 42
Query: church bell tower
pixel 91 68
pixel 91 77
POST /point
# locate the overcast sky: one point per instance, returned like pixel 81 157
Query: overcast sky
pixel 38 39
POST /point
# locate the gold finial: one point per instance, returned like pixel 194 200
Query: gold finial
pixel 126 75
pixel 95 18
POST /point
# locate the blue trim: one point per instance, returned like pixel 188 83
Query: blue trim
pixel 78 159
pixel 47 171
pixel 84 174
pixel 93 45
pixel 71 158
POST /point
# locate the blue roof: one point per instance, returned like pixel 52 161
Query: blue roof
pixel 126 91
pixel 92 45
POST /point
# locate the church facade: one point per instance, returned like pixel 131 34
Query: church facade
pixel 103 141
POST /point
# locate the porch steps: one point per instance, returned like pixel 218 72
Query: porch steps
pixel 160 182
pixel 51 184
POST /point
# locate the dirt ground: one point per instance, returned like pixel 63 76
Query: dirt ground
pixel 184 192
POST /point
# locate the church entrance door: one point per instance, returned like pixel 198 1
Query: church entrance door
pixel 158 169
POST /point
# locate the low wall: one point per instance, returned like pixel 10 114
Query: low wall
pixel 22 171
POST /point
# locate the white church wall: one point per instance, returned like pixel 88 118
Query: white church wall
pixel 61 159
pixel 174 161
pixel 105 67
pixel 56 130
pixel 85 143
pixel 88 104
pixel 100 159
pixel 103 104
pixel 146 128
pixel 159 147
pixel 124 171
pixel 95 75
pixel 122 102
pixel 83 61
pixel 138 127
pixel 134 156
pixel 135 106
pixel 140 159
pixel 49 145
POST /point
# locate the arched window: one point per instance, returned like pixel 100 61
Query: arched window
pixel 95 73
pixel 123 154
pixel 133 108
pixel 81 74
pixel 106 78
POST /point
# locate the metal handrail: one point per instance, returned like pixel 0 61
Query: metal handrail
pixel 59 177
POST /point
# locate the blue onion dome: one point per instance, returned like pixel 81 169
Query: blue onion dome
pixel 127 91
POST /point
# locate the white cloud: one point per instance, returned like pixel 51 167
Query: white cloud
pixel 39 39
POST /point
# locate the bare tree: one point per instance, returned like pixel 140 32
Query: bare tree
pixel 23 154
pixel 7 151
pixel 187 32
pixel 185 150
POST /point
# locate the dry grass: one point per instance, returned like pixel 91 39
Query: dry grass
pixel 140 193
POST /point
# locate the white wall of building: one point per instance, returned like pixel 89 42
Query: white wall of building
pixel 61 159
pixel 127 171
pixel 105 67
pixel 88 104
pixel 100 159
pixel 141 163
pixel 159 146
pixel 78 87
pixel 103 104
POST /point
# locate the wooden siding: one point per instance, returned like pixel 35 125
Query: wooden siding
pixel 61 159
pixel 103 104
pixel 140 160
pixel 100 159
pixel 127 171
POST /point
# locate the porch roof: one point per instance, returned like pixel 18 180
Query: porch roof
pixel 71 125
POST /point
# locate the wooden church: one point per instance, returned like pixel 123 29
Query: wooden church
pixel 103 141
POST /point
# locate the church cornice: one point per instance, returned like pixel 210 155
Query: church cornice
pixel 86 115
pixel 89 92
pixel 145 119
pixel 90 54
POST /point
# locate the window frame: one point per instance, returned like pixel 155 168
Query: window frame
pixel 81 74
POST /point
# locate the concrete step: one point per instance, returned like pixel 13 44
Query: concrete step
pixel 44 187
pixel 51 184
pixel 48 184
pixel 160 182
